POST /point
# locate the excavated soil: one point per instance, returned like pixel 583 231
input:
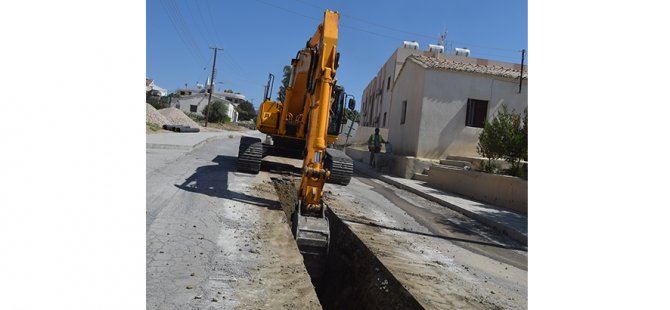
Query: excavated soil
pixel 354 277
pixel 175 116
pixel 154 117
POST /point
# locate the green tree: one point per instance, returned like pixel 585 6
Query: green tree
pixel 230 91
pixel 246 111
pixel 281 95
pixel 352 115
pixel 506 137
pixel 219 112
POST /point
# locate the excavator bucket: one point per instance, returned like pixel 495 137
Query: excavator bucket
pixel 312 234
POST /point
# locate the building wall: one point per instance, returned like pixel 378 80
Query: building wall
pixel 375 102
pixel 409 86
pixel 443 115
pixel 200 100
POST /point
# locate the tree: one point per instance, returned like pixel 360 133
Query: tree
pixel 281 95
pixel 246 111
pixel 352 115
pixel 219 112
pixel 230 91
pixel 506 137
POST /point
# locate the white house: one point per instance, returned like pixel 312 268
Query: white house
pixel 150 85
pixel 439 104
pixel 195 101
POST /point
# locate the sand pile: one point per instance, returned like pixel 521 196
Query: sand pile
pixel 154 117
pixel 175 116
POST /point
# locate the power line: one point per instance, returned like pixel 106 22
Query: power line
pixel 209 12
pixel 184 26
pixel 181 35
pixel 287 10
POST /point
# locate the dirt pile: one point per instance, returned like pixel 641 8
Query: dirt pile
pixel 154 117
pixel 175 116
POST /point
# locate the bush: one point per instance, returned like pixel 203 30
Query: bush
pixel 506 137
pixel 219 112
pixel 195 116
pixel 246 111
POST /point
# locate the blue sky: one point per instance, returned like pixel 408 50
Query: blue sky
pixel 261 36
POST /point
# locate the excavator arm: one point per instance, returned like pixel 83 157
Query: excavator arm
pixel 310 225
pixel 306 122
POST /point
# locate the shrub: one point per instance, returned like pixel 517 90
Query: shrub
pixel 506 137
pixel 219 112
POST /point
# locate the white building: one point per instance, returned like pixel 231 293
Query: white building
pixel 152 86
pixel 439 104
pixel 195 101
pixel 376 97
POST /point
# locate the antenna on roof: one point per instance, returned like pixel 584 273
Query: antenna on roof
pixel 442 37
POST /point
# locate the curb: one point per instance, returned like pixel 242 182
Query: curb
pixel 180 147
pixel 512 233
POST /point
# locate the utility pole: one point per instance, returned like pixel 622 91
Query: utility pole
pixel 211 86
pixel 523 53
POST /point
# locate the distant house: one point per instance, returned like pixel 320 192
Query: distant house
pixel 440 104
pixel 195 101
pixel 152 86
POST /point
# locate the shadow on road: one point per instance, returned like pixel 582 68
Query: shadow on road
pixel 212 180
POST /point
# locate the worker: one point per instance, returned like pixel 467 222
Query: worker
pixel 375 145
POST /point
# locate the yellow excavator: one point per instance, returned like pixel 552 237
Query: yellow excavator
pixel 303 126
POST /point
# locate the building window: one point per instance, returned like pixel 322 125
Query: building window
pixel 388 83
pixel 476 113
pixel 384 121
pixel 404 111
pixel 194 108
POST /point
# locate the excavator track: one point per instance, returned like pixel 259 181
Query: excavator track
pixel 340 165
pixel 250 155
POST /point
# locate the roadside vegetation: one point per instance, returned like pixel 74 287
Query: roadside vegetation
pixel 505 137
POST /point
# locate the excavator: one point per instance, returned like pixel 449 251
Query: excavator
pixel 303 126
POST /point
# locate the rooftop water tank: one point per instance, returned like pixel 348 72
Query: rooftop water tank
pixel 436 48
pixel 461 52
pixel 410 44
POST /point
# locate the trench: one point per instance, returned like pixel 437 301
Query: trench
pixel 354 278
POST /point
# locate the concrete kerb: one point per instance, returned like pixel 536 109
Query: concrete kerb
pixel 511 232
pixel 166 146
pixel 179 147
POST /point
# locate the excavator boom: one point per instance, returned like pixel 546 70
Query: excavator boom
pixel 304 124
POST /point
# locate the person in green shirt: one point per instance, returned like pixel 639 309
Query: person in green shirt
pixel 375 145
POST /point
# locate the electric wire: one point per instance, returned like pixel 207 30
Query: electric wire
pixel 405 32
pixel 182 31
pixel 185 29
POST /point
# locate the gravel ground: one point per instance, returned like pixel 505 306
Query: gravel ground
pixel 175 116
pixel 154 117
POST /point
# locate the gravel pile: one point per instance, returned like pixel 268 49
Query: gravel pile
pixel 154 117
pixel 175 116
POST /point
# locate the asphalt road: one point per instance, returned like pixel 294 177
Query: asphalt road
pixel 217 238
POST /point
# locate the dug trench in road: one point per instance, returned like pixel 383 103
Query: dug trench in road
pixel 450 225
pixel 354 278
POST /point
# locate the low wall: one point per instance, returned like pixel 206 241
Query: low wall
pixel 500 190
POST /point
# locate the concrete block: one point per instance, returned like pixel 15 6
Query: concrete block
pixel 421 177
pixel 455 163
